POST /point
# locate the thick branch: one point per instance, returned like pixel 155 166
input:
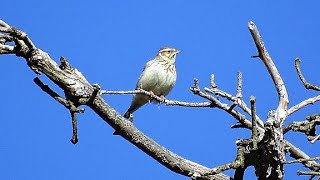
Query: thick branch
pixel 80 92
pixel 273 71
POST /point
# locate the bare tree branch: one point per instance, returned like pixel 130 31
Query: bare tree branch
pixel 303 80
pixel 237 163
pixel 239 86
pixel 80 92
pixel 237 115
pixel 265 150
pixel 273 71
pixel 302 104
pixel 299 154
pixel 161 100
pixel 236 100
pixel 255 137
pixel 302 160
pixel 66 103
pixel 308 173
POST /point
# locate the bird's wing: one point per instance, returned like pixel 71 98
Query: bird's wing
pixel 147 79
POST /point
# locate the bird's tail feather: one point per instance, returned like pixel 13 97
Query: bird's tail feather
pixel 127 115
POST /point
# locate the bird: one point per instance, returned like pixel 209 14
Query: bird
pixel 158 77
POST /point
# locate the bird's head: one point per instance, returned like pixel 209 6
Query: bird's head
pixel 168 54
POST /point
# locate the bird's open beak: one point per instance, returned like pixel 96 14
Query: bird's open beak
pixel 178 51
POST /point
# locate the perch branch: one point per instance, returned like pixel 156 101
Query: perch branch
pixel 159 99
pixel 196 90
pixel 80 92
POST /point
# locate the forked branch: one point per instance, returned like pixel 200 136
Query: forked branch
pixel 80 92
pixel 273 71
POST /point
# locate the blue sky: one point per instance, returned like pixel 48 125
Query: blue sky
pixel 109 42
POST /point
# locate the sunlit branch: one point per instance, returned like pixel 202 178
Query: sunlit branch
pixel 273 71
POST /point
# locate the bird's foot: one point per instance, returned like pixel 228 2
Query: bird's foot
pixel 152 100
pixel 163 99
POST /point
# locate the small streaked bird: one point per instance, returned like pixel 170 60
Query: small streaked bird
pixel 158 76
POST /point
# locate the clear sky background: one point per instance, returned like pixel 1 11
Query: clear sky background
pixel 109 42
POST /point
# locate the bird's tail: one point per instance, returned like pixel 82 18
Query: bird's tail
pixel 127 116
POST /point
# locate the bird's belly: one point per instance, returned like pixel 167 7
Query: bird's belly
pixel 164 82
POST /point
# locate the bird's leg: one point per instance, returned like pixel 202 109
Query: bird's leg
pixel 151 99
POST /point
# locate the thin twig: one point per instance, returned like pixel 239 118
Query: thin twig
pixel 54 95
pixel 315 139
pixel 302 160
pixel 66 103
pixel 212 81
pixel 237 101
pixel 160 99
pixel 308 173
pixel 74 138
pixel 303 80
pixel 238 163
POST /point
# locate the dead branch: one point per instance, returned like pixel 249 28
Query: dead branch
pixel 265 150
pixel 80 92
pixel 273 137
pixel 237 163
pixel 302 104
pixel 273 71
pixel 306 84
pixel 302 160
pixel 312 173
pixel 161 100
pixel 308 127
pixel 297 153
pixel 236 100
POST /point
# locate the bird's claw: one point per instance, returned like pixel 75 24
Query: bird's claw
pixel 163 99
